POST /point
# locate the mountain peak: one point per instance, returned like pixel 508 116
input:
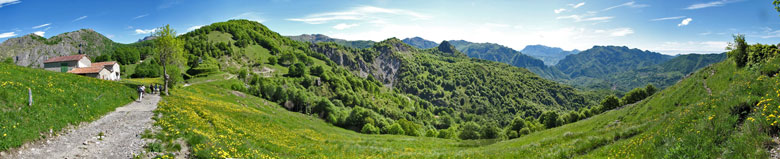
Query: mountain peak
pixel 446 47
pixel 419 42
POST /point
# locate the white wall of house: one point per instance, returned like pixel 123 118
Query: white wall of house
pixel 84 62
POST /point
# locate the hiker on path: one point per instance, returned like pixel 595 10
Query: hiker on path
pixel 141 90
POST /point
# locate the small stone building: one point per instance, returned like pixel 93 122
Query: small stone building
pixel 81 65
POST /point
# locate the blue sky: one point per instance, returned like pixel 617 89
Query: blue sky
pixel 668 26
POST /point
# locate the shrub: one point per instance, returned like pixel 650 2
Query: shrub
pixel 738 50
pixel 319 70
pixel 610 102
pixel 395 129
pixel 297 70
pixel 490 132
pixel 469 130
pixel 517 124
pixel 8 61
pixel 411 128
pixel 369 129
pixel 446 133
pixel 431 133
pixel 148 68
pixel 549 119
pixel 272 60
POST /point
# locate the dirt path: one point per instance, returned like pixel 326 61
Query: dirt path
pixel 122 136
pixel 709 91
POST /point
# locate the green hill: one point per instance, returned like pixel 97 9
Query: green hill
pixel 603 60
pixel 503 54
pixel 721 111
pixel 59 100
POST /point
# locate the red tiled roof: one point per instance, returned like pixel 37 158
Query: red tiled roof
pixel 101 64
pixel 86 70
pixel 65 58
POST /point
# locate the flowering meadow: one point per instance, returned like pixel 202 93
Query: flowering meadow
pixel 59 100
pixel 684 120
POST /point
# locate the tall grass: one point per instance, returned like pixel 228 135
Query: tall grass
pixel 59 100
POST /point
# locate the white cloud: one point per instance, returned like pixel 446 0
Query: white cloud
pixel 80 18
pixel 39 33
pixel 705 33
pixel 585 17
pixel 4 3
pixel 145 31
pixel 41 26
pixel 710 4
pixel 194 27
pixel 668 18
pixel 685 22
pixel 110 36
pixel 342 26
pixel 631 4
pixel 620 32
pixel 8 34
pixel 253 16
pixel 364 13
pixel 577 5
pixel 687 47
pixel 557 11
pixel 140 16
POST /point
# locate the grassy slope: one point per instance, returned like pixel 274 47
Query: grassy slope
pixel 59 100
pixel 682 121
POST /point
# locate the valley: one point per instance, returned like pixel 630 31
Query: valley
pixel 250 87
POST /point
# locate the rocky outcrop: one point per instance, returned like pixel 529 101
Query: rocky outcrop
pixel 31 50
pixel 383 67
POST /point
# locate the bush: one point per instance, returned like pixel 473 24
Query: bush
pixel 470 130
pixel 369 129
pixel 431 133
pixel 147 69
pixel 272 60
pixel 549 119
pixel 512 134
pixel 8 61
pixel 517 124
pixel 490 132
pixel 297 70
pixel 411 128
pixel 446 133
pixel 738 50
pixel 318 70
pixel 610 102
pixel 395 129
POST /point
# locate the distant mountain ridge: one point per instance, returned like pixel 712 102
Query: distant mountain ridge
pixel 419 42
pixel 602 60
pixel 550 55
pixel 316 38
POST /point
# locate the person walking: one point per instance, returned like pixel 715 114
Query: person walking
pixel 141 90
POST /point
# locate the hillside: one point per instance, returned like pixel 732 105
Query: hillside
pixel 700 117
pixel 602 60
pixel 550 55
pixel 421 43
pixel 59 100
pixel 389 84
pixel 31 50
pixel 316 38
pixel 503 54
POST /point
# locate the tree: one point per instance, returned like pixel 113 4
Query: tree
pixel 431 133
pixel 470 130
pixel 517 124
pixel 395 129
pixel 369 129
pixel 169 51
pixel 549 119
pixel 610 102
pixel 738 50
pixel 491 131
pixel 650 89
pixel 297 70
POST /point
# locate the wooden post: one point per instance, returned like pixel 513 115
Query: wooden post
pixel 29 93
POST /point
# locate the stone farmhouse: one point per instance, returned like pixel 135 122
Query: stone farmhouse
pixel 81 65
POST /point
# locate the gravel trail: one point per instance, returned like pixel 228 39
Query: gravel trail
pixel 122 136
